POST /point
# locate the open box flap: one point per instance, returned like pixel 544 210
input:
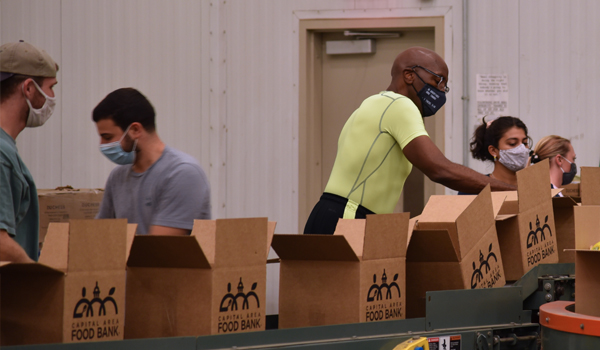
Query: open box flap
pixel 96 245
pixel 385 236
pixel 354 231
pixel 21 269
pixel 271 229
pixel 475 221
pixel 563 202
pixel 205 232
pixel 167 252
pixel 533 185
pixel 590 185
pixel 55 252
pixel 313 247
pixel 241 242
pixel 431 246
pixel 587 226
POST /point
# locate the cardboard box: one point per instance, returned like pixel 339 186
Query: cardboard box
pixel 590 186
pixel 564 221
pixel 76 293
pixel 528 236
pixel 355 275
pixel 587 262
pixel 65 203
pixel 211 282
pixel 454 246
pixel 572 190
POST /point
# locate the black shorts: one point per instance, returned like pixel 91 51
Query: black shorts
pixel 326 213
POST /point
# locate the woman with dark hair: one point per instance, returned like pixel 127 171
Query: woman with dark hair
pixel 562 159
pixel 503 141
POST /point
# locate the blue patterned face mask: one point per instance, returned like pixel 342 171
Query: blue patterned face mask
pixel 115 152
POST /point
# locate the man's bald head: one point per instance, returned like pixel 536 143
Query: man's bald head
pixel 415 67
pixel 417 56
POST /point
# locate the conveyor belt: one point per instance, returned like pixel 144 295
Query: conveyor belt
pixel 481 318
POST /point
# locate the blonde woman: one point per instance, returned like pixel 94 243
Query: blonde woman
pixel 562 159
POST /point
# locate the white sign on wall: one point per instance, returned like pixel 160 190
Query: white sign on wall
pixel 492 94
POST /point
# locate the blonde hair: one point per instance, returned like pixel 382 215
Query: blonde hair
pixel 550 146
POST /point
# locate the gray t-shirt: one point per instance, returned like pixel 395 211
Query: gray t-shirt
pixel 172 192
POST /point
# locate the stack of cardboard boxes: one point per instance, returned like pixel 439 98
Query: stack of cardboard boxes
pixel 587 234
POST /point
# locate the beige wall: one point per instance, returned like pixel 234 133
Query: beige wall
pixel 223 77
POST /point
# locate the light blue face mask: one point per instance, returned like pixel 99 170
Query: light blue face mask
pixel 115 152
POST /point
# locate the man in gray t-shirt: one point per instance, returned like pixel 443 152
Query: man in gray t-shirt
pixel 157 187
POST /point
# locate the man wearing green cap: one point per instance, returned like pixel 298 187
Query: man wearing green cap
pixel 27 76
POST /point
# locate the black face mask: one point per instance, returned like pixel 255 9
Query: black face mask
pixel 431 98
pixel 570 175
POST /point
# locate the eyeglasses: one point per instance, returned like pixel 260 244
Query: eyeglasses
pixel 445 87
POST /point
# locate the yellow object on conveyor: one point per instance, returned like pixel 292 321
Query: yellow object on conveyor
pixel 416 343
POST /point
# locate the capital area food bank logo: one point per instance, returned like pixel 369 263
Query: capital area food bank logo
pixel 86 306
pixel 230 301
pixel 492 275
pixel 532 237
pixel 377 290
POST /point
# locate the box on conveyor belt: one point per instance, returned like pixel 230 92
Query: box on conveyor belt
pixel 76 293
pixel 587 261
pixel 526 231
pixel 210 282
pixel 453 246
pixel 355 275
pixel 590 186
pixel 65 203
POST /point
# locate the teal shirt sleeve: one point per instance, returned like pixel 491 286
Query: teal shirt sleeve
pixel 7 211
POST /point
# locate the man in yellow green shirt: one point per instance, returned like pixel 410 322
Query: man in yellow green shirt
pixel 384 138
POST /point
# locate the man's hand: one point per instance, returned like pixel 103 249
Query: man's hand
pixel 425 155
pixel 10 250
pixel 167 231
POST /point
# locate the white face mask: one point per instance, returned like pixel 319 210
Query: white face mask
pixel 37 117
pixel 514 159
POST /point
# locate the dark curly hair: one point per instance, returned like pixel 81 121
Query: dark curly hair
pixel 485 135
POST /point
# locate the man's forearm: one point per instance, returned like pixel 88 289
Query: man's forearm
pixel 10 250
pixel 461 178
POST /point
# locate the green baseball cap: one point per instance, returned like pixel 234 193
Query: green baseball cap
pixel 25 59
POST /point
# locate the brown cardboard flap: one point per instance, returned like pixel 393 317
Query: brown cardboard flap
pixel 271 232
pixel 431 246
pixel 498 199
pixel 354 231
pixel 205 231
pixel 131 229
pixel 587 226
pixel 563 202
pixel 167 251
pixel 28 269
pixel 444 208
pixel 511 203
pixel 412 224
pixel 55 252
pixel 590 185
pixel 385 236
pixel 97 244
pixel 533 185
pixel 475 221
pixel 241 242
pixel 313 247
pixel 555 191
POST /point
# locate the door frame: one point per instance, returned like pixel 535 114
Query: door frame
pixel 310 91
